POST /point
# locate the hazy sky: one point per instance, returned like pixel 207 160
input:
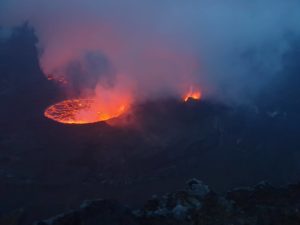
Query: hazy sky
pixel 232 49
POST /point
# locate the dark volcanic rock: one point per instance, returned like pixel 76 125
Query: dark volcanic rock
pixel 46 167
pixel 14 218
pixel 105 212
pixel 195 205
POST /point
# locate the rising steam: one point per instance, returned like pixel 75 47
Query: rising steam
pixel 149 49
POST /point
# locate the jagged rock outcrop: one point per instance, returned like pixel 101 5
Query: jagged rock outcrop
pixel 195 205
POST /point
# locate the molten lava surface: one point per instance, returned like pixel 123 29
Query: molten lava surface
pixel 192 94
pixel 82 111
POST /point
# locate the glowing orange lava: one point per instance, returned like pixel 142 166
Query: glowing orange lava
pixel 60 80
pixel 83 111
pixel 193 93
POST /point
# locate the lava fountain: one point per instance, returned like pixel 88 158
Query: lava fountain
pixel 84 111
pixel 193 93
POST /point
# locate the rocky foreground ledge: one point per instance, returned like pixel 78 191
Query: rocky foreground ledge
pixel 197 204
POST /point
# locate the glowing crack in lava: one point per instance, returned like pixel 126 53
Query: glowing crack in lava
pixel 83 111
pixel 193 93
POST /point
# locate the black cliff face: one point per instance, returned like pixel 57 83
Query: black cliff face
pixel 47 168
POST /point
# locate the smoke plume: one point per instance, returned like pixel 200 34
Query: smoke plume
pixel 231 49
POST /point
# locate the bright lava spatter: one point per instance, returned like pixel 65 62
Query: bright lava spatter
pixel 192 94
pixel 80 111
